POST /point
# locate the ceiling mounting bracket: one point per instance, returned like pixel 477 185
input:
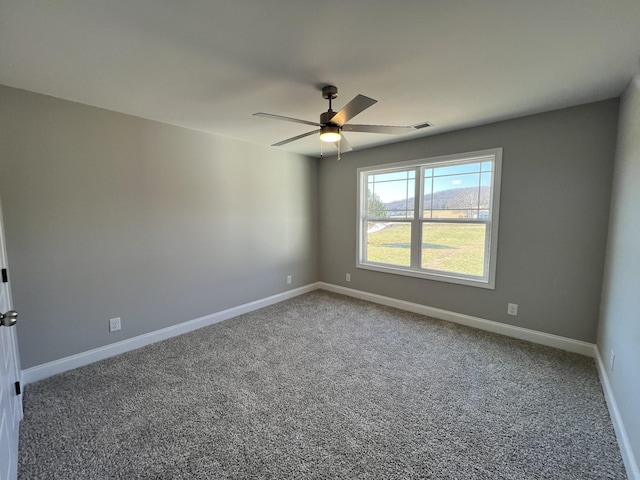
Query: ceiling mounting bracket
pixel 329 92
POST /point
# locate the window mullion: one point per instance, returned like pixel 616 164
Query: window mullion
pixel 363 187
pixel 416 231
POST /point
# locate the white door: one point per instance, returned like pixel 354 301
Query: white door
pixel 10 400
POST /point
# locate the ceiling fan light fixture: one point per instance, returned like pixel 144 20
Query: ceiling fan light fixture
pixel 330 134
pixel 332 124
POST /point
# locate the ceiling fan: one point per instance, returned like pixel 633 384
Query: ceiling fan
pixel 332 124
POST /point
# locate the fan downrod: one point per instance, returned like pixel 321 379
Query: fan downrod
pixel 329 92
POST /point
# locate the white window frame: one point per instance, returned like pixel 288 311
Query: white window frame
pixel 415 269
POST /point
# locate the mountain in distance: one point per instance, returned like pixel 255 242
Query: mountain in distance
pixel 452 199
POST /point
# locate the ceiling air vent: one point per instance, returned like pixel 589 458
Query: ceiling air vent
pixel 423 125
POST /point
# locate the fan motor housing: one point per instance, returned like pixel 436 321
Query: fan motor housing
pixel 325 118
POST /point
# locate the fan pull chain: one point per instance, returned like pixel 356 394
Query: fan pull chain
pixel 339 148
pixel 321 154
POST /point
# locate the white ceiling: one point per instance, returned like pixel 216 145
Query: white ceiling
pixel 210 64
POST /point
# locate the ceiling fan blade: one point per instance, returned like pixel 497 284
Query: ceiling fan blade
pixel 387 129
pixel 293 139
pixel 286 119
pixel 343 145
pixel 351 109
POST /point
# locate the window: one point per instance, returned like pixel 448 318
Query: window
pixel 433 218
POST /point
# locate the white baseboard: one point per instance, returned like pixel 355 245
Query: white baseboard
pixel 55 367
pixel 45 370
pixel 563 343
pixel 40 372
pixel 630 463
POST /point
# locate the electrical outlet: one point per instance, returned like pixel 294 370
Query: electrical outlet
pixel 288 279
pixel 612 360
pixel 114 324
pixel 512 309
pixel 348 277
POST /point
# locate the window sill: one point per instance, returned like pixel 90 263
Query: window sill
pixel 407 272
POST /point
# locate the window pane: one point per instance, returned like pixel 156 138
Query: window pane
pixel 485 191
pixel 391 194
pixel 456 196
pixel 454 247
pixel 456 182
pixel 389 243
pixel 456 169
pixel 400 198
pixel 375 207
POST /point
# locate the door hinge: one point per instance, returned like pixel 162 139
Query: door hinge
pixel 5 277
pixel 18 388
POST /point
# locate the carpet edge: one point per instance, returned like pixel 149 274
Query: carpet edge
pixel 533 336
pixel 45 370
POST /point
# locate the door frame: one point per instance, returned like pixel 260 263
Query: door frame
pixel 12 411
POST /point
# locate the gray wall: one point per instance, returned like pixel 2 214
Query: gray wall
pixel 556 185
pixel 620 320
pixel 109 215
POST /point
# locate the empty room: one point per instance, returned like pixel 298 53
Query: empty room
pixel 341 240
